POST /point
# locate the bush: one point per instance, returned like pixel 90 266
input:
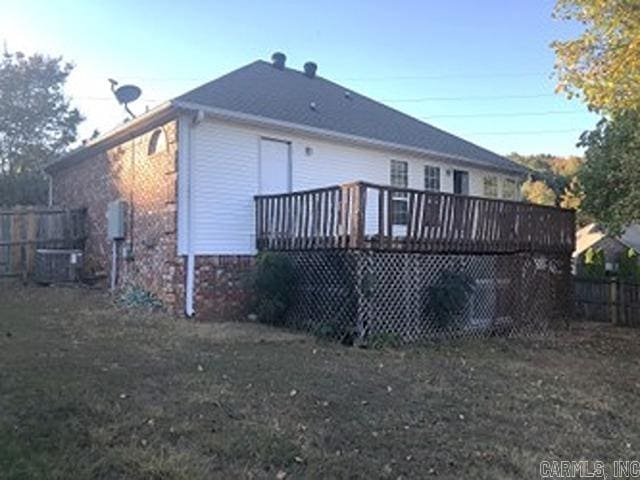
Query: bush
pixel 595 263
pixel 629 270
pixel 137 297
pixel 274 285
pixel 449 296
pixel 383 340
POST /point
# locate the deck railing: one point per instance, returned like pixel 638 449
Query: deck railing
pixel 365 215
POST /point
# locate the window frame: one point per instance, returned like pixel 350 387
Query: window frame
pixel 514 182
pixel 157 142
pixel 432 174
pixel 399 201
pixel 485 186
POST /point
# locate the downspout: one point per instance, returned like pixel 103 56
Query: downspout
pixel 186 140
pixel 190 280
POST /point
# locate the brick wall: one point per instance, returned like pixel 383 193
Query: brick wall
pixel 148 184
pixel 221 286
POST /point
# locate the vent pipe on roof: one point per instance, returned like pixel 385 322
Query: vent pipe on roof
pixel 278 60
pixel 310 69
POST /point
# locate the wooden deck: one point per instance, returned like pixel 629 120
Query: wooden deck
pixel 361 215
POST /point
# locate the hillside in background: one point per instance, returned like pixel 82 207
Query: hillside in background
pixel 554 181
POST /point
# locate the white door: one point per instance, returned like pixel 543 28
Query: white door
pixel 275 167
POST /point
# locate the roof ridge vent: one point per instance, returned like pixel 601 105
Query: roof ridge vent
pixel 278 60
pixel 310 69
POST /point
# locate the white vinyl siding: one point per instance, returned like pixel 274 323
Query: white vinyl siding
pixel 225 177
pixel 224 181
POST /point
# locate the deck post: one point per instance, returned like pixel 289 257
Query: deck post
pixel 359 199
pixel 613 301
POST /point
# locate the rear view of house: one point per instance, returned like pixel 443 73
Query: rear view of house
pixel 187 173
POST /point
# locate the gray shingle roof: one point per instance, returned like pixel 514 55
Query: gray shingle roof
pixel 285 95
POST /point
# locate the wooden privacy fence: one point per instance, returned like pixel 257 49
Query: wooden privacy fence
pixel 608 300
pixel 364 215
pixel 23 230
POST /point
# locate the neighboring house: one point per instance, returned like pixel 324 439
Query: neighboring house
pixel 594 237
pixel 189 170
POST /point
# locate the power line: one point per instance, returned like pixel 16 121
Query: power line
pixel 108 99
pixel 363 79
pixel 478 97
pixel 390 100
pixel 429 117
pixel 509 114
pixel 525 132
pixel 443 76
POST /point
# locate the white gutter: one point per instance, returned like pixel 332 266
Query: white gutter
pixel 250 119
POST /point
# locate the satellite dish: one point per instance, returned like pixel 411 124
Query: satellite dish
pixel 125 94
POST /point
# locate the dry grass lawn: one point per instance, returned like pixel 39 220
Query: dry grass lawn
pixel 90 391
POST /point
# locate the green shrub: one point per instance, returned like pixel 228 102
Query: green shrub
pixel 449 296
pixel 274 286
pixel 595 263
pixel 382 340
pixel 134 296
pixel 629 270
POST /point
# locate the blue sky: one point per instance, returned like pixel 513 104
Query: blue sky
pixel 479 69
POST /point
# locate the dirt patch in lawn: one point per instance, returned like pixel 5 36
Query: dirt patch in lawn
pixel 91 391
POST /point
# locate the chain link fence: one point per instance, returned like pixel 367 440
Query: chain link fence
pixel 368 297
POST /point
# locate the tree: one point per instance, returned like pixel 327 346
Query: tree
pixel 554 180
pixel 602 65
pixel 538 192
pixel 37 123
pixel 595 263
pixel 628 266
pixel 611 173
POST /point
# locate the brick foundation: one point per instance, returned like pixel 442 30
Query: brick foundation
pixel 221 287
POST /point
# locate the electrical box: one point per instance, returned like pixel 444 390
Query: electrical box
pixel 117 220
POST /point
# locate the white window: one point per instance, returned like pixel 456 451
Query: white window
pixel 399 177
pixel 491 187
pixel 431 178
pixel 157 142
pixel 509 189
pixel 399 174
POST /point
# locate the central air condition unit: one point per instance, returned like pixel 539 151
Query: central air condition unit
pixel 58 266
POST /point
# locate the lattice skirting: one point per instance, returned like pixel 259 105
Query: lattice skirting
pixel 368 296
